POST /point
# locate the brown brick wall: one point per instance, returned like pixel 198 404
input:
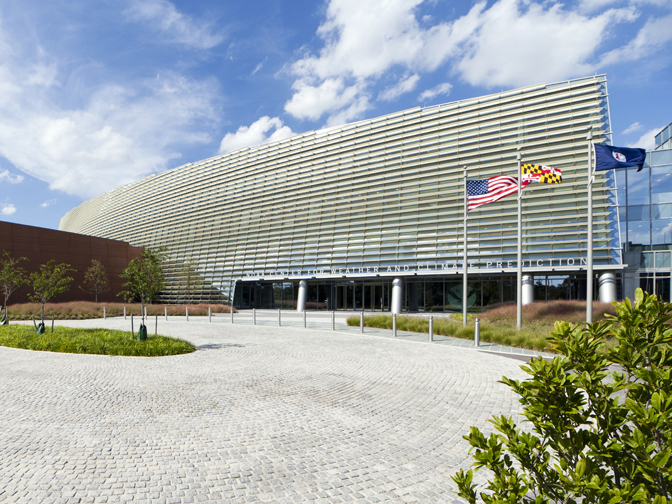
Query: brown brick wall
pixel 40 245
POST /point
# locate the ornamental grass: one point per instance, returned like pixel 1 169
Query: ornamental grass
pixel 498 325
pixel 77 310
pixel 91 341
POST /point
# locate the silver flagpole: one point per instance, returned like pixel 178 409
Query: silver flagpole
pixel 519 276
pixel 464 253
pixel 589 259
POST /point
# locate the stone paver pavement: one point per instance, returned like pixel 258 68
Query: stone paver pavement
pixel 257 414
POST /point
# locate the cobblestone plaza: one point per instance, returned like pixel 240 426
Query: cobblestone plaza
pixel 257 414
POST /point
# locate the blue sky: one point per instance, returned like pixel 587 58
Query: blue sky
pixel 95 94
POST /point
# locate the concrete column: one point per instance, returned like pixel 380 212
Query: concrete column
pixel 606 285
pixel 302 297
pixel 528 289
pixel 397 295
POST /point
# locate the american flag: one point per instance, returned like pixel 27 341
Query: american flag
pixel 495 188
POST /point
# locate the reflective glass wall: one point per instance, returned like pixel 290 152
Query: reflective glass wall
pixel 645 204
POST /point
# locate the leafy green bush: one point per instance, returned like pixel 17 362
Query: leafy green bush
pixel 585 443
pixel 91 341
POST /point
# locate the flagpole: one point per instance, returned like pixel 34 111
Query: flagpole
pixel 589 259
pixel 519 276
pixel 464 253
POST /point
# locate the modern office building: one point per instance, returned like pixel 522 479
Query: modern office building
pixel 370 215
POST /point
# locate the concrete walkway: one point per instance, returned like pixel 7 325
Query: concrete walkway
pixel 258 414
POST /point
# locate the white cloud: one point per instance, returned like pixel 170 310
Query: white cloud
pixel 632 128
pixel 653 35
pixel 120 134
pixel 162 16
pixel 259 66
pixel 255 134
pixel 518 44
pixel 48 203
pixel 405 85
pixel 508 43
pixel 362 40
pixel 311 102
pixel 430 94
pixel 8 209
pixel 5 176
pixel 647 141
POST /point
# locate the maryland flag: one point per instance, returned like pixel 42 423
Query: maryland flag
pixel 541 174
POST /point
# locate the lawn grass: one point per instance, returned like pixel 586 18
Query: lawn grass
pixel 498 325
pixel 78 310
pixel 91 341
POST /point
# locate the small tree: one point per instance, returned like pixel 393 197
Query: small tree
pixel 95 279
pixel 11 277
pixel 190 279
pixel 586 444
pixel 145 278
pixel 50 281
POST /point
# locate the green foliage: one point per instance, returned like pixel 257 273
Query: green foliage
pixel 50 281
pixel 11 276
pixel 596 435
pixel 145 278
pixel 95 279
pixel 92 341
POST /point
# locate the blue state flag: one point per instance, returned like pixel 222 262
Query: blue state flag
pixel 608 157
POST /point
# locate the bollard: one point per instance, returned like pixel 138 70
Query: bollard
pixel 156 326
pixel 477 334
pixel 186 308
pixel 165 312
pixel 104 314
pixel 279 320
pixel 333 320
pixel 232 313
pixel 254 316
pixel 209 315
pixel 394 325
pixel 304 319
pixel 431 328
pixel 361 322
pixel 124 313
pixel 52 323
pixel 132 330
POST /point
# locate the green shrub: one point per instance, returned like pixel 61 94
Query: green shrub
pixel 587 444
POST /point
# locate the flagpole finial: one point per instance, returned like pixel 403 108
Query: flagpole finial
pixel 465 172
pixel 519 156
pixel 590 134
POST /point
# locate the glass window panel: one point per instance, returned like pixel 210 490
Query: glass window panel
pixel 661 232
pixel 639 233
pixel 620 185
pixel 661 211
pixel 661 184
pixel 663 259
pixel 647 260
pixel 622 213
pixel 661 157
pixel 638 187
pixel 638 212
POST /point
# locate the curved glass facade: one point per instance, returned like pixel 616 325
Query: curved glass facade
pixel 376 199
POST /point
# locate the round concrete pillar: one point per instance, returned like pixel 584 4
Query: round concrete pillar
pixel 302 297
pixel 528 289
pixel 397 294
pixel 606 285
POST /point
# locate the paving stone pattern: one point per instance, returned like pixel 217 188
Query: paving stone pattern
pixel 257 414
